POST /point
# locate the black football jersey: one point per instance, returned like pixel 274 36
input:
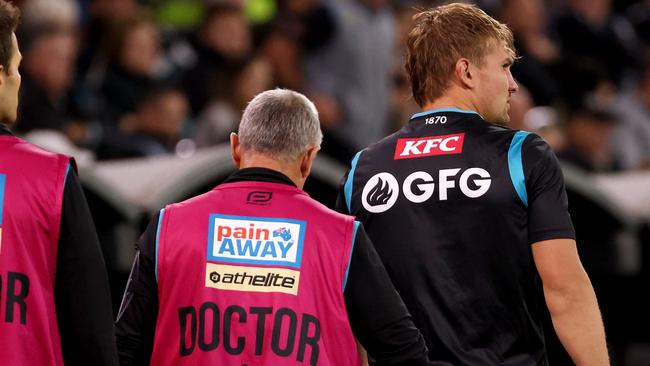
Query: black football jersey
pixel 453 204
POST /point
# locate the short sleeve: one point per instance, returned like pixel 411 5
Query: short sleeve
pixel 548 215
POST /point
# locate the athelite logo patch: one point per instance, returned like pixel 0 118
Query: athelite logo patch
pixel 245 252
pixel 409 148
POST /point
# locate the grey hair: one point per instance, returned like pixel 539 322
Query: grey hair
pixel 281 123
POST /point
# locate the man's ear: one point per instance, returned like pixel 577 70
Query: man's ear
pixel 235 151
pixel 307 160
pixel 3 74
pixel 465 73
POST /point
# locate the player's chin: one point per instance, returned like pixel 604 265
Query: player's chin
pixel 505 114
pixel 501 119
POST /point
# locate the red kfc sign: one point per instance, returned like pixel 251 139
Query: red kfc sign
pixel 428 146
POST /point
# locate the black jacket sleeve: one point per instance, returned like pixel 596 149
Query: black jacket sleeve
pixel 81 290
pixel 136 321
pixel 340 205
pixel 378 316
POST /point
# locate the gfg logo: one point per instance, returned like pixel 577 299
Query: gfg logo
pixel 381 191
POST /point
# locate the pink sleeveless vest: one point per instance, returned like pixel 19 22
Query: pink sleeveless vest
pixel 252 273
pixel 31 195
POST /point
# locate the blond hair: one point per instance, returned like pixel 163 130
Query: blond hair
pixel 443 35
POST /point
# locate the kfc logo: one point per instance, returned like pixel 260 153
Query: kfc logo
pixel 429 146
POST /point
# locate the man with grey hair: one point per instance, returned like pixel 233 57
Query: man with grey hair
pixel 286 138
pixel 255 272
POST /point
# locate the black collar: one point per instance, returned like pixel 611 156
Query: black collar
pixel 259 175
pixel 5 131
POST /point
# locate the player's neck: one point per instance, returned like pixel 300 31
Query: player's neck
pixel 450 101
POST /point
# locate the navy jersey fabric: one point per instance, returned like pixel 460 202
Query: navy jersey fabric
pixel 452 204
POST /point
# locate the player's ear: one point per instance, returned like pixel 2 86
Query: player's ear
pixel 464 72
pixel 235 151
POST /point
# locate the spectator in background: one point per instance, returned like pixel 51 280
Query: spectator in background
pixel 49 51
pixel 588 94
pixel 223 39
pixel 134 53
pixel 153 128
pixel 639 16
pixel 402 104
pixel 539 53
pixel 588 29
pixel 299 27
pixel 103 15
pixel 545 121
pixel 349 79
pixel 542 120
pixel 232 91
pixel 631 139
pixel 588 132
pixel 98 21
pixel 584 79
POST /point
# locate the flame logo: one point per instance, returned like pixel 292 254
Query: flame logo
pixel 380 193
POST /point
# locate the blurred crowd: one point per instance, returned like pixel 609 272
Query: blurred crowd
pixel 128 78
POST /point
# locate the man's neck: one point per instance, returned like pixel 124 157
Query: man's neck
pixel 262 161
pixel 450 101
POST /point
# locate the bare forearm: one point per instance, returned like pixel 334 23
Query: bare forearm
pixel 578 323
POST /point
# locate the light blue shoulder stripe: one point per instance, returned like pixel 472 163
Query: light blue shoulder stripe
pixel 354 238
pixel 160 219
pixel 67 171
pixel 3 182
pixel 516 167
pixel 347 188
pixel 421 114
